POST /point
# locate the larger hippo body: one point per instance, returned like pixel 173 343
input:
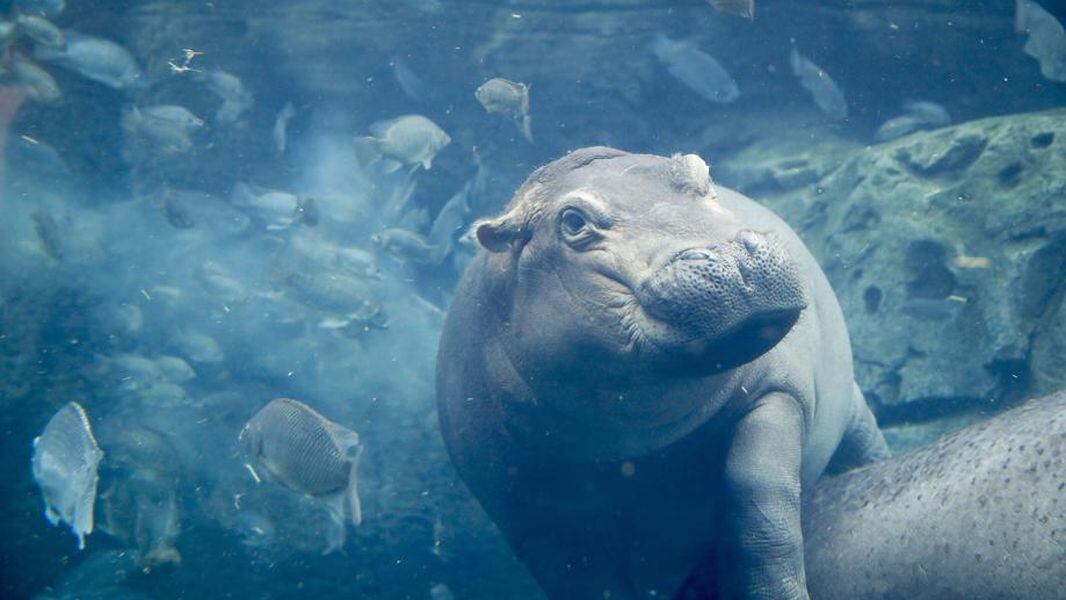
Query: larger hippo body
pixel 643 368
pixel 978 515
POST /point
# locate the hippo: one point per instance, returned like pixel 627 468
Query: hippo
pixel 978 515
pixel 640 365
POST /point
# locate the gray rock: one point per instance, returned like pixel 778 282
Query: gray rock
pixel 946 250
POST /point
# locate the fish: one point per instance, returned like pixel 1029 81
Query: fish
pixel 66 460
pixel 140 502
pixel 740 8
pixel 41 8
pixel 198 347
pixel 220 282
pixel 323 254
pixel 175 369
pixel 177 211
pixel 141 509
pixel 39 85
pixel 897 127
pixel 333 292
pixel 121 319
pixel 40 30
pixel 441 591
pixel 919 115
pixel 8 33
pixel 298 448
pixel 408 81
pixel 95 58
pixel 506 97
pixel 236 99
pixel 699 71
pixel 929 113
pixel 451 219
pixel 827 95
pixel 930 309
pixel 279 135
pixel 275 209
pixel 1047 38
pixel 167 127
pixel 408 140
pixel 133 370
pixel 407 246
pixel 47 230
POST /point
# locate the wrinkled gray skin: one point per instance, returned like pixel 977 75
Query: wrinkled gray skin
pixel 979 515
pixel 655 377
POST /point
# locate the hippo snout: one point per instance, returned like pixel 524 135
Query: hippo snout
pixel 720 292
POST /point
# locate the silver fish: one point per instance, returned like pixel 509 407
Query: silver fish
pixel 42 8
pixel 698 70
pixel 822 88
pixel 740 8
pixel 279 135
pixel 65 464
pixel 897 127
pixel 167 127
pixel 1047 38
pixel 408 81
pixel 38 83
pixel 409 140
pixel 47 229
pixel 506 97
pixel 929 113
pixel 95 58
pixel 920 115
pixel 198 347
pixel 40 30
pixel 930 309
pixel 451 219
pixel 175 369
pixel 407 246
pixel 334 292
pixel 236 99
pixel 296 447
pixel 140 502
pixel 276 209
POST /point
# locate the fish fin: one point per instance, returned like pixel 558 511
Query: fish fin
pixel 51 514
pixel 351 495
pixel 526 127
pixel 366 150
pixel 427 163
pixel 389 165
pixel 338 533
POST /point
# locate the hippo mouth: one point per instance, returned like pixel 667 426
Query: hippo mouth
pixel 744 343
pixel 709 310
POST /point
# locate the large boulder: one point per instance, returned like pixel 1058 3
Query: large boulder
pixel 947 250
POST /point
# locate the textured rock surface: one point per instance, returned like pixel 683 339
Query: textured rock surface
pixel 947 250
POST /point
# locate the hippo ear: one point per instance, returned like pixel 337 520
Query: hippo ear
pixel 497 235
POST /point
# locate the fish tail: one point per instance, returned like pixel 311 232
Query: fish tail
pixel 367 150
pixel 526 126
pixel 354 506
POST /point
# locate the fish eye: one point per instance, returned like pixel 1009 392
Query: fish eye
pixel 573 222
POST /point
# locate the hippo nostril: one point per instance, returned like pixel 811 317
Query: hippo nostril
pixel 750 239
pixel 695 254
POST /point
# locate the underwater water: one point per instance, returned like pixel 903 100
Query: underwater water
pixel 205 206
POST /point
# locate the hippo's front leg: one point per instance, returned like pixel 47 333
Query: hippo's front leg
pixel 763 488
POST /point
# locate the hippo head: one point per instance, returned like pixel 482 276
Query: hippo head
pixel 631 259
pixel 625 268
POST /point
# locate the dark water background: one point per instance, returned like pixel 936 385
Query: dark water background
pixel 951 271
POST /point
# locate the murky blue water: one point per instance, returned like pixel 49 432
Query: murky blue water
pixel 187 231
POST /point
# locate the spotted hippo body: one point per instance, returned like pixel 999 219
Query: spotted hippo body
pixel 643 368
pixel 980 515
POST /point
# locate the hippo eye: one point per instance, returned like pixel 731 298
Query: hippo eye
pixel 573 222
